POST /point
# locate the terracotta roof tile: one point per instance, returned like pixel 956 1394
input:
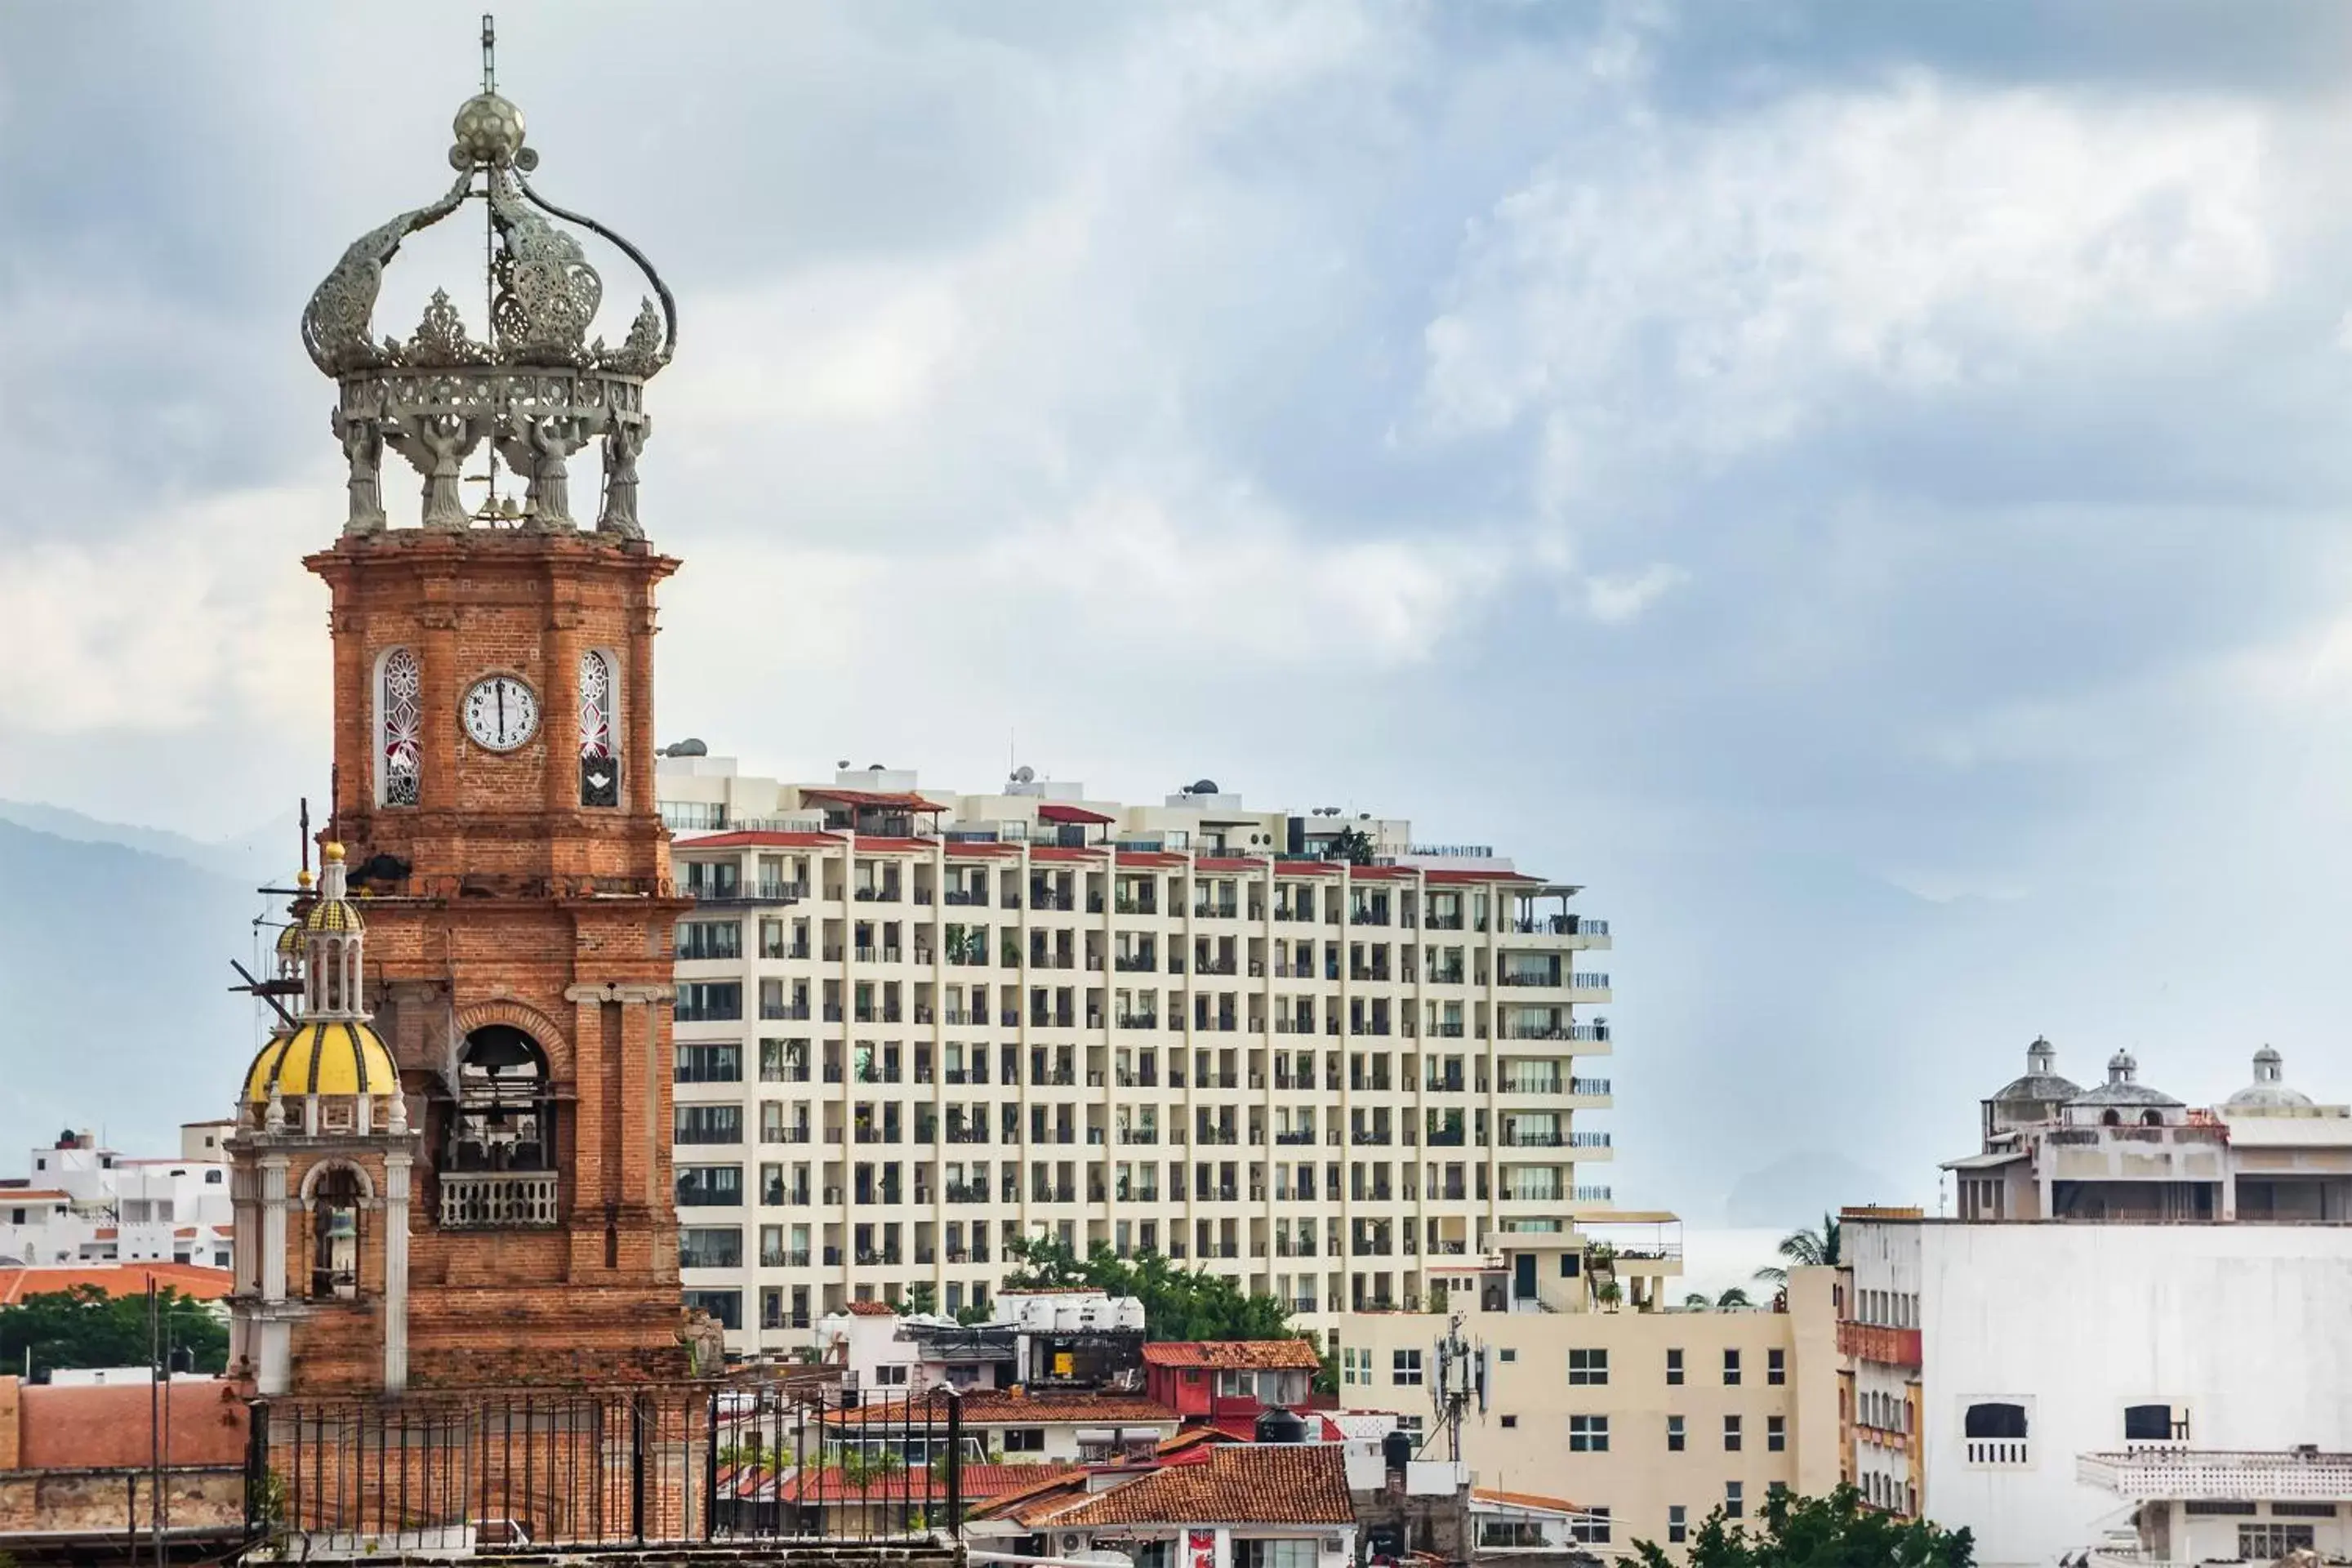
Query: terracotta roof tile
pixel 116 1279
pixel 1230 1355
pixel 872 1309
pixel 1242 1483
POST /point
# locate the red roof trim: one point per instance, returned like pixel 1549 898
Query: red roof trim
pixel 983 850
pixel 1057 811
pixel 1063 852
pixel 757 839
pixel 1229 863
pixel 874 844
pixel 1152 857
pixel 1458 877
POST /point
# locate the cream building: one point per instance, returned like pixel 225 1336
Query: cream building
pixel 912 1026
pixel 1648 1421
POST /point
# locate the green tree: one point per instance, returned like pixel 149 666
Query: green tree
pixel 1699 1302
pixel 1735 1297
pixel 84 1326
pixel 1350 843
pixel 922 1296
pixel 1832 1532
pixel 1178 1304
pixel 1804 1248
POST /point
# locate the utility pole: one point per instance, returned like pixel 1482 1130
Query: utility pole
pixel 155 1419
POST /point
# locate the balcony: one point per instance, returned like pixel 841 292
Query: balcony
pixel 1875 1341
pixel 499 1200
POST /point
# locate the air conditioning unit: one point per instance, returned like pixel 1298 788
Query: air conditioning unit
pixel 1072 1540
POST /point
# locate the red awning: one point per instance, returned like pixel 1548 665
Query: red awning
pixel 873 800
pixel 1056 810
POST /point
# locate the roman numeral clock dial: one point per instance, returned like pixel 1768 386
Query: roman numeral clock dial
pixel 500 713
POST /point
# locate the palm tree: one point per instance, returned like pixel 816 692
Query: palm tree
pixel 1804 1248
pixel 1735 1297
pixel 1698 1301
pixel 1608 1294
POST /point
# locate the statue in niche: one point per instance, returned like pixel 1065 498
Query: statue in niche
pixel 623 442
pixel 437 446
pixel 363 443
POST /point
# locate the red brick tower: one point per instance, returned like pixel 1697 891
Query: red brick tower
pixel 494 757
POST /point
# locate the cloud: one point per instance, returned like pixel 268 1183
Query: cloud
pixel 1614 600
pixel 1664 289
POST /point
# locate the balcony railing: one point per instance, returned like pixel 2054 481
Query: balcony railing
pixel 497 1200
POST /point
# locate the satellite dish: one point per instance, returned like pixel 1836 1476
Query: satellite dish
pixel 842 766
pixel 1024 773
pixel 874 767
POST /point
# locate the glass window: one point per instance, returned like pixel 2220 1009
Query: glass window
pixel 717 1062
pixel 1677 1524
pixel 1995 1420
pixel 1734 1500
pixel 710 939
pixel 1591 1527
pixel 705 1186
pixel 1731 1433
pixel 1588 1434
pixel 2266 1540
pixel 1730 1368
pixel 1588 1367
pixel 1673 1368
pixel 707 1125
pixel 710 1002
pixel 1675 1439
pixel 1274 1554
pixel 711 1246
pixel 1024 1439
pixel 1776 1367
pixel 1776 1434
pixel 1404 1368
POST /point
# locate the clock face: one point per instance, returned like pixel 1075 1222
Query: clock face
pixel 500 713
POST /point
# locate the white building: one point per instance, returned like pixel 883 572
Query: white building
pixel 910 1028
pixel 2033 1347
pixel 85 1204
pixel 2136 1340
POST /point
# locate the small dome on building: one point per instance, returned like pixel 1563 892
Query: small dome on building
pixel 2269 1091
pixel 2123 1086
pixel 334 1056
pixel 2041 1082
pixel 334 912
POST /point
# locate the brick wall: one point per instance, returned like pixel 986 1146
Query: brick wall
pixel 517 897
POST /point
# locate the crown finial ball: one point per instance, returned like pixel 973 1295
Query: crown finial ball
pixel 489 130
pixel 332 852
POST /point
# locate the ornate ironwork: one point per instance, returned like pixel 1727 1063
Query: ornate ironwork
pixel 537 389
pixel 403 697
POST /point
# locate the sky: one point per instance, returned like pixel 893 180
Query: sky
pixel 1860 488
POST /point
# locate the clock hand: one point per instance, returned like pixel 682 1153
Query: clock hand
pixel 501 690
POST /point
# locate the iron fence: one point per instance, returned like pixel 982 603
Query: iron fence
pixel 461 1471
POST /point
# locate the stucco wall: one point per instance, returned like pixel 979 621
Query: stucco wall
pixel 2245 1325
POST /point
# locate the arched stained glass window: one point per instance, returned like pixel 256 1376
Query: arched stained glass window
pixel 600 760
pixel 400 724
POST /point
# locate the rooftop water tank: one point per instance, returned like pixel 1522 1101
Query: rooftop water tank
pixel 1280 1425
pixel 1068 1317
pixel 1127 1313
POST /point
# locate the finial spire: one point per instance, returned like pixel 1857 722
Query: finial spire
pixel 489 52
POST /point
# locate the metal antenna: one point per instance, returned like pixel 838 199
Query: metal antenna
pixel 489 52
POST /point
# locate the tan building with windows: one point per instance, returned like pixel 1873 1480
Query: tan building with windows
pixel 912 1026
pixel 1648 1420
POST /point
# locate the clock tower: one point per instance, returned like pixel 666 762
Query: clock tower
pixel 493 744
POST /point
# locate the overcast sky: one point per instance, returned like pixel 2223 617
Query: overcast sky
pixel 1860 488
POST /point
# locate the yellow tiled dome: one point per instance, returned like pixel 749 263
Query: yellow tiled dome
pixel 337 1057
pixel 335 913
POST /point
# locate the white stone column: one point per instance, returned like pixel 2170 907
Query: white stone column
pixel 396 1168
pixel 273 1228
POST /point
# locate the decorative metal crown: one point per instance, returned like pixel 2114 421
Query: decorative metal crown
pixel 536 390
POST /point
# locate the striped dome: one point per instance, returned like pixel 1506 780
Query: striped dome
pixel 337 1057
pixel 290 941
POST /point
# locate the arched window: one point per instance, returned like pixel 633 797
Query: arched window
pixel 600 737
pixel 2111 1119
pixel 505 1115
pixel 2151 1119
pixel 335 1235
pixel 399 727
